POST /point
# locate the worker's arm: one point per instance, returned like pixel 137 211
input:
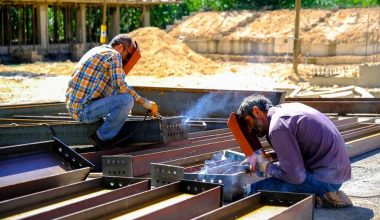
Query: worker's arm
pixel 120 86
pixel 291 168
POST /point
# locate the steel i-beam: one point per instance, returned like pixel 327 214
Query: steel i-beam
pixel 72 198
pixel 179 200
pixel 133 131
pixel 266 205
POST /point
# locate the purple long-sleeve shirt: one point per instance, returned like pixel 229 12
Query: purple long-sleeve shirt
pixel 305 140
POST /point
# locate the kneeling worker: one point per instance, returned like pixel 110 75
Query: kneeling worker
pixel 97 89
pixel 310 150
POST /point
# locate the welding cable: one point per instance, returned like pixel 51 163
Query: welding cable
pixel 51 129
pixel 130 135
pixel 364 197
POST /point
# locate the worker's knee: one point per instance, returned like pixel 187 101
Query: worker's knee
pixel 126 101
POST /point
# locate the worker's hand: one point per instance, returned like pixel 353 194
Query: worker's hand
pixel 152 107
pixel 262 160
pixel 251 160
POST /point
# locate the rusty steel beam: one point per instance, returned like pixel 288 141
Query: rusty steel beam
pixel 44 183
pixel 52 163
pixel 199 138
pixel 341 106
pixel 68 199
pixel 184 162
pixel 266 205
pixel 197 198
pixel 17 121
pixel 137 164
pixel 133 131
pixel 234 180
pixel 214 103
pixel 7 111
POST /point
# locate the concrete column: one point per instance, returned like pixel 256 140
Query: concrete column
pixel 115 22
pixel 146 16
pixel 81 24
pixel 43 25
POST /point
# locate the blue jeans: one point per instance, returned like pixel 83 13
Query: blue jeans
pixel 115 108
pixel 310 185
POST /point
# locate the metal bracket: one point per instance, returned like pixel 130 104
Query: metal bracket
pixel 117 165
pixel 69 158
pixel 162 174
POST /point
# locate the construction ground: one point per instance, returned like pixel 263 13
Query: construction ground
pixel 191 54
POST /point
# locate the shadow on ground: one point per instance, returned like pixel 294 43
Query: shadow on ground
pixel 352 213
pixel 24 74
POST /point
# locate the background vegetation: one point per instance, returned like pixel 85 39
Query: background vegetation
pixel 166 14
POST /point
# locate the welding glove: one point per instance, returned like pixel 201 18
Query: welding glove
pixel 262 160
pixel 152 107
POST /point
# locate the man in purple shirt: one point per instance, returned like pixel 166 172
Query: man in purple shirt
pixel 311 152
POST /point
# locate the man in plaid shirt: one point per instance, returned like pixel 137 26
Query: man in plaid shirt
pixel 97 89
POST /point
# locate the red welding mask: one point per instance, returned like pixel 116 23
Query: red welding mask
pixel 247 140
pixel 132 60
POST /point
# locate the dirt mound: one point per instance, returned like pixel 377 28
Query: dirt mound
pixel 211 25
pixel 354 26
pixel 278 24
pixel 39 68
pixel 163 55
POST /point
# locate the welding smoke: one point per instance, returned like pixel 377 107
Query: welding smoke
pixel 212 103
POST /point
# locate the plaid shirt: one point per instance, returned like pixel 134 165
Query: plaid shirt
pixel 98 74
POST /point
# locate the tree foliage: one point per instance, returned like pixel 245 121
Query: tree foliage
pixel 163 15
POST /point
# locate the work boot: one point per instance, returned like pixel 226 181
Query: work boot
pixel 102 145
pixel 332 200
pixel 343 197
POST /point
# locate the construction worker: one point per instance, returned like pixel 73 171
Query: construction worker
pixel 97 89
pixel 311 152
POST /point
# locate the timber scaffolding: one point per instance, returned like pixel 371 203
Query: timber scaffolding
pixel 159 179
pixel 25 25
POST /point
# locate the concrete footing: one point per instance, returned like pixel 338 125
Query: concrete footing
pixel 368 78
pixel 277 46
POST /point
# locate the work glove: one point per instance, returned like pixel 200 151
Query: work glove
pixel 262 160
pixel 152 107
pixel 258 160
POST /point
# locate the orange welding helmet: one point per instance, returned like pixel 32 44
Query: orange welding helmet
pixel 133 59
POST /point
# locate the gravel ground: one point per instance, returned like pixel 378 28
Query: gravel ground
pixel 363 189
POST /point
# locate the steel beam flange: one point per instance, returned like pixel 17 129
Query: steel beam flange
pixel 162 174
pixel 234 185
pixel 115 182
pixel 117 165
pixel 69 157
pixel 291 205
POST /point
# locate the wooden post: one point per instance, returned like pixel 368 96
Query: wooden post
pixel 2 24
pixel 103 27
pixel 296 46
pixel 146 16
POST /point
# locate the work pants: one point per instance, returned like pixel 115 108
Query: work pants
pixel 114 109
pixel 310 185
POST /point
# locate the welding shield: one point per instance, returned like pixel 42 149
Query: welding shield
pixel 132 60
pixel 247 140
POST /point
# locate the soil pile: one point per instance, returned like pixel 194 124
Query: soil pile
pixel 163 55
pixel 212 25
pixel 356 26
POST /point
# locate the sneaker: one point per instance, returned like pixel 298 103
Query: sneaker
pixel 102 145
pixel 333 200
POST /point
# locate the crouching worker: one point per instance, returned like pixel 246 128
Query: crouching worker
pixel 310 150
pixel 97 89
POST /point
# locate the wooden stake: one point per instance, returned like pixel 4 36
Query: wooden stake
pixel 296 46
